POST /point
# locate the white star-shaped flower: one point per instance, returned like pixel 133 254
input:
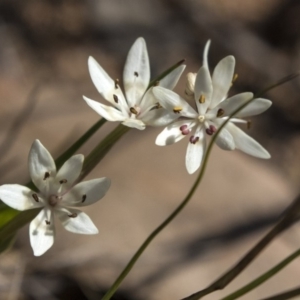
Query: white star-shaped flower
pixel 139 108
pixel 213 108
pixel 56 194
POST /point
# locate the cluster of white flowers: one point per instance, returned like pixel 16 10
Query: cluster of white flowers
pixel 141 106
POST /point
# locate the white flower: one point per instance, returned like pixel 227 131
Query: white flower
pixel 56 193
pixel 212 110
pixel 139 108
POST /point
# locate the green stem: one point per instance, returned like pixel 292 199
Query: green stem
pixel 286 295
pixel 264 277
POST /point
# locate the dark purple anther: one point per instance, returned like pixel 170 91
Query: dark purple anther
pixel 184 129
pixel 194 139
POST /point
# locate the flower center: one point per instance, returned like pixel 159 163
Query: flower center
pixel 53 200
pixel 201 118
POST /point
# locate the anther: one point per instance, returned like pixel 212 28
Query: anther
pixel 220 112
pixel 235 77
pixel 133 110
pixel 156 83
pixel 116 99
pixel 47 175
pixel 63 181
pixel 47 222
pixel 249 123
pixel 202 99
pixel 35 197
pixel 116 83
pixel 211 130
pixel 177 109
pixel 194 139
pixel 136 74
pixel 184 129
pixel 74 215
pixel 157 105
pixel 83 198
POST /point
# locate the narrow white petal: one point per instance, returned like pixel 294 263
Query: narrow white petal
pixel 256 107
pixel 79 222
pixel 246 143
pixel 170 81
pixel 107 87
pixel 172 101
pixel 195 152
pixel 41 233
pixel 18 197
pixel 222 79
pixel 158 117
pixel 41 165
pixel 107 112
pixel 203 87
pixel 172 133
pixel 134 123
pixel 225 140
pixel 136 75
pixel 86 192
pixel 70 170
pixel 205 54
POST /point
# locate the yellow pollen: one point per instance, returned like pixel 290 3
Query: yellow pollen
pixel 177 109
pixel 202 99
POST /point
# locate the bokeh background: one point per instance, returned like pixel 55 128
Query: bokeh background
pixel 43 74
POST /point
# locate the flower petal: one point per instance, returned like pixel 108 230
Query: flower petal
pixel 172 101
pixel 225 140
pixel 134 123
pixel 136 75
pixel 18 197
pixel 222 79
pixel 41 233
pixel 42 167
pixel 205 55
pixel 204 88
pixel 107 112
pixel 158 117
pixel 172 133
pixel 195 152
pixel 105 85
pixel 170 81
pixel 86 192
pixel 70 170
pixel 256 107
pixel 76 221
pixel 246 143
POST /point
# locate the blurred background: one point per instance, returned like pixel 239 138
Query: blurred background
pixel 43 74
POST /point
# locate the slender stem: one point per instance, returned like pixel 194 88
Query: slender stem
pixel 290 217
pixel 264 277
pixel 286 295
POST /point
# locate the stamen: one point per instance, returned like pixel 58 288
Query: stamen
pixel 74 215
pixel 116 83
pixel 211 130
pixel 202 99
pixel 177 109
pixel 133 110
pixel 136 74
pixel 184 129
pixel 157 105
pixel 194 139
pixel 83 198
pixel 47 175
pixel 63 181
pixel 156 83
pixel 249 123
pixel 35 197
pixel 235 77
pixel 220 112
pixel 47 222
pixel 116 98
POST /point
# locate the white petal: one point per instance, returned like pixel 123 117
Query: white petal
pixel 205 54
pixel 134 123
pixel 18 197
pixel 158 117
pixel 170 100
pixel 170 81
pixel 136 75
pixel 225 140
pixel 203 87
pixel 172 133
pixel 40 162
pixel 86 192
pixel 70 170
pixel 107 112
pixel 195 152
pixel 222 79
pixel 42 234
pixel 80 223
pixel 246 143
pixel 256 107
